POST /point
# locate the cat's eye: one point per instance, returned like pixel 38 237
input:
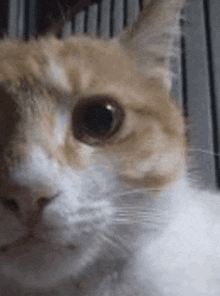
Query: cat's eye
pixel 96 119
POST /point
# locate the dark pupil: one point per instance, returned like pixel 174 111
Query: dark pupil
pixel 97 119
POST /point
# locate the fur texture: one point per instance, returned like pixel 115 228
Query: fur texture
pixel 101 215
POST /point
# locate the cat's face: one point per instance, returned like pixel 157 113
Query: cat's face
pixel 79 122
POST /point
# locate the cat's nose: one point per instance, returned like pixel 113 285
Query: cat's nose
pixel 25 204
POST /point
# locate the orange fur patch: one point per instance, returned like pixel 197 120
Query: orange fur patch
pixel 151 144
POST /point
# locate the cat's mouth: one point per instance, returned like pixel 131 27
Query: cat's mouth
pixel 25 245
pixel 18 243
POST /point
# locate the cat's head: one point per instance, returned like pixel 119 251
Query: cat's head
pixel 80 120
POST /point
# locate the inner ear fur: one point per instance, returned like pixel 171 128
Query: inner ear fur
pixel 150 40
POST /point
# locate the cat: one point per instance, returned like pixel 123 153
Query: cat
pixel 96 198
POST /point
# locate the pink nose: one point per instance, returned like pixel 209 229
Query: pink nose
pixel 26 204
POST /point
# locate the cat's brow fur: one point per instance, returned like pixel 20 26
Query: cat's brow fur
pixel 116 218
pixel 84 67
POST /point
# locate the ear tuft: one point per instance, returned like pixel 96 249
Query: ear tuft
pixel 150 40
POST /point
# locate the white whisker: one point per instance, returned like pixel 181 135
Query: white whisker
pixel 204 151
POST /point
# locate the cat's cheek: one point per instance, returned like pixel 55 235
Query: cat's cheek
pixel 66 225
pixel 10 228
pixel 60 249
pixel 43 265
pixel 65 239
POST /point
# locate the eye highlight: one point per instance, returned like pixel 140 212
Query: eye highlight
pixel 96 119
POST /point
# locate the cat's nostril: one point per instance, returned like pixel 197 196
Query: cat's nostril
pixel 42 202
pixel 11 205
pixel 25 202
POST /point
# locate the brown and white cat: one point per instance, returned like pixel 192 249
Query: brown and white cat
pixel 95 195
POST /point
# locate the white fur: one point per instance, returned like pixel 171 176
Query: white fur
pixel 62 125
pixel 75 217
pixel 57 75
pixel 181 256
pixel 185 259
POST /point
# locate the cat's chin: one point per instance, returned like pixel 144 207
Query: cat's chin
pixel 41 264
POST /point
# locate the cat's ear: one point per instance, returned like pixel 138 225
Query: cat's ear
pixel 150 39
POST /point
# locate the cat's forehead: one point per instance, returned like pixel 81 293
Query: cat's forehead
pixel 72 66
pixel 52 73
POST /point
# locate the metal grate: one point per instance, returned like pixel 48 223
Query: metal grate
pixel 200 95
pixel 107 18
pixel 197 68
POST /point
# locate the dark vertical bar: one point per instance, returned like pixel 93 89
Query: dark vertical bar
pixel 92 19
pixel 21 23
pixel 4 17
pixel 13 18
pixel 198 94
pixel 132 11
pixel 79 22
pixel 32 17
pixel 118 17
pixel 184 77
pixel 105 18
pixel 67 29
pixel 212 12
